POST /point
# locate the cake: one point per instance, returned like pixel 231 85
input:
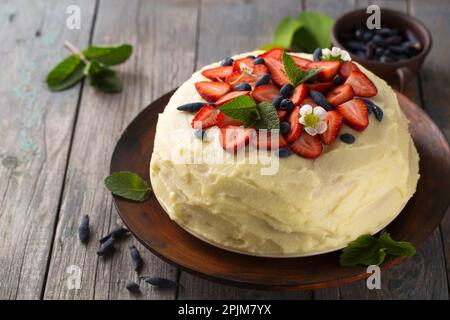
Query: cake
pixel 324 185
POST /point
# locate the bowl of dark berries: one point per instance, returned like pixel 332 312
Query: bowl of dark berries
pixel 397 49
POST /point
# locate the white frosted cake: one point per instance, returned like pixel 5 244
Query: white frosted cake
pixel 342 167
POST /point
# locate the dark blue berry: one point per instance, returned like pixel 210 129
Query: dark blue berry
pixel 372 107
pixel 244 86
pixel 286 90
pixel 312 79
pixel 320 99
pixel 192 107
pixel 106 248
pixel 285 127
pixel 347 138
pixel 287 104
pixel 199 133
pixel 277 101
pixel 83 230
pixel 161 282
pixel 132 286
pixel 317 55
pixel 116 234
pixel 263 80
pixel 251 57
pixel 136 258
pixel 227 62
pixel 338 80
pixel 283 152
pixel 258 61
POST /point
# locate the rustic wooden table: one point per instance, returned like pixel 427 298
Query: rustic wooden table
pixel 55 147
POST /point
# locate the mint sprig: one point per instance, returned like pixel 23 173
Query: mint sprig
pixel 93 62
pixel 368 250
pixel 268 117
pixel 296 75
pixel 128 185
pixel 241 108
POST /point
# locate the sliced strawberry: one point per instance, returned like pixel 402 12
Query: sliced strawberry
pixel 211 90
pixel 309 101
pixel 340 94
pixel 362 86
pixel 282 114
pixel 275 53
pixel 230 96
pixel 238 77
pixel 205 117
pixel 355 114
pixel 218 72
pixel 246 61
pixel 299 94
pixel 307 146
pixel 322 87
pixel 329 69
pixel 223 120
pixel 296 127
pixel 301 62
pixel 265 92
pixel 265 143
pixel 346 68
pixel 334 125
pixel 233 138
pixel 276 70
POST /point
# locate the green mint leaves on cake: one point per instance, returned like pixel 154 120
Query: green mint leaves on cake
pixel 94 62
pixel 128 185
pixel 244 108
pixel 368 250
pixel 296 75
pixel 308 31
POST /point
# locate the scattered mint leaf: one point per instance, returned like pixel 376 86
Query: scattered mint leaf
pixel 396 248
pixel 66 74
pixel 241 108
pixel 128 185
pixel 268 117
pixel 368 250
pixel 109 56
pixel 284 32
pixel 104 78
pixel 296 75
pixel 319 25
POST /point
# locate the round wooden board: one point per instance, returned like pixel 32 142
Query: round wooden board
pixel 153 227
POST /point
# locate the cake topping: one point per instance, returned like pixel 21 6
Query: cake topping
pixel 306 101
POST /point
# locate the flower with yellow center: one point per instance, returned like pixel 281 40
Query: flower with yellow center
pixel 313 119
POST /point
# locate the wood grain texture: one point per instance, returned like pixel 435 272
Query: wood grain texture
pixel 163 36
pixel 435 80
pixel 35 130
pixel 248 25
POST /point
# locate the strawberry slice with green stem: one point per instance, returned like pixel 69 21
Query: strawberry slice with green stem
pixel 355 114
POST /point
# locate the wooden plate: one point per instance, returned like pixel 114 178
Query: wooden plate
pixel 153 227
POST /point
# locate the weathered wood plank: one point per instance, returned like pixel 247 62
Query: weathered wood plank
pixel 242 26
pixel 35 129
pixel 435 79
pixel 163 36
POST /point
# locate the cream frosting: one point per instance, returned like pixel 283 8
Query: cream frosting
pixel 308 206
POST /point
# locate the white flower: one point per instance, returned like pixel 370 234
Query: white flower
pixel 313 119
pixel 335 53
pixel 245 69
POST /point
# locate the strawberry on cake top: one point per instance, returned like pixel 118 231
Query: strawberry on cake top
pixel 347 164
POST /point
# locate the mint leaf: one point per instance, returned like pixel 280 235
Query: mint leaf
pixel 66 74
pixel 284 32
pixel 396 248
pixel 368 250
pixel 268 117
pixel 128 185
pixel 319 26
pixel 296 75
pixel 241 108
pixel 104 78
pixel 109 56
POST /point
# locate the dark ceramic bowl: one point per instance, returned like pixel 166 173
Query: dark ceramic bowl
pixel 404 69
